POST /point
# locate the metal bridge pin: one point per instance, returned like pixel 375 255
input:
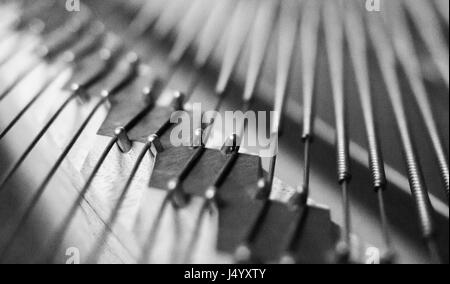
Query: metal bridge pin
pixel 287 259
pixel 262 189
pixel 230 145
pixel 179 198
pixel 211 194
pixel 149 93
pixel 300 198
pixel 197 139
pixel 132 58
pixel 104 93
pixel 155 144
pixel 243 254
pixel 178 100
pixel 75 87
pixel 123 141
pixel 342 252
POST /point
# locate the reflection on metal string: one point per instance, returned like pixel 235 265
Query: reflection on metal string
pixel 387 61
pixel 358 53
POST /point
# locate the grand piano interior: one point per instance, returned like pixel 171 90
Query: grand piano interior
pixel 355 164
